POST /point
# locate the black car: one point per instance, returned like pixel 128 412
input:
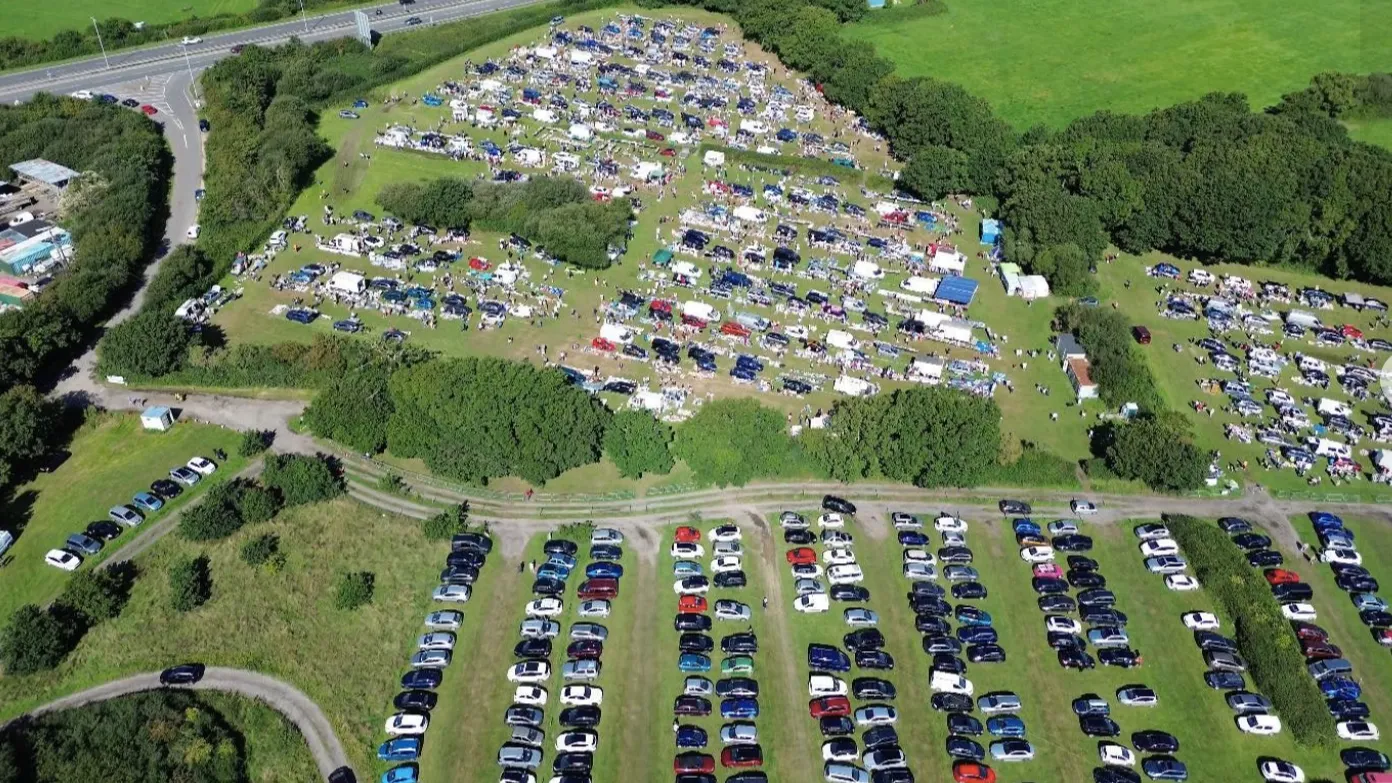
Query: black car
pixel 873 688
pixel 913 538
pixel 1048 585
pixel 573 762
pixel 423 701
pixel 753 776
pixel 986 653
pixel 1347 709
pixel 1375 618
pixel 1265 558
pixel 799 537
pixel 879 737
pixel 548 587
pixel 890 775
pixel 1096 597
pixel 1292 591
pixel 103 531
pixel 695 643
pixel 851 593
pixel 1086 580
pixel 1090 704
pixel 1114 775
pixel 428 677
pixel 1348 569
pixel 946 662
pixel 959 555
pixel 929 605
pixel 962 723
pixel 1082 563
pixel 1072 543
pixel 839 505
pixel 922 587
pixel 606 553
pixel 934 645
pixel 1098 726
pixel 968 591
pixel 743 642
pixel 586 717
pixel 1365 759
pixel 1353 583
pixel 864 639
pixel 1252 541
pixel 532 648
pixel 1153 741
pixel 1125 657
pixel 1016 507
pixel 1057 604
pixel 691 621
pixel 183 674
pixel 465 557
pixel 1103 615
pixel 166 489
pixel 874 659
pixel 1224 680
pixel 461 575
pixel 476 542
pixel 730 579
pixel 1074 658
pixel 1059 640
pixel 1234 525
pixel 838 726
pixel 560 546
pixel 585 648
pixel 977 634
pixel 951 702
pixel 963 748
pixel 738 687
pixel 1208 640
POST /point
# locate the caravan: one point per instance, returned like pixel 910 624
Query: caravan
pixel 855 387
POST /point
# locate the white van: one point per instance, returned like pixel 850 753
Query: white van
pixel 855 387
pixel 947 682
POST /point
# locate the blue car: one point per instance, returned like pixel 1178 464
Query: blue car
pixel 1340 688
pixel 825 658
pixel 147 502
pixel 1323 520
pixel 1006 726
pixel 553 571
pixel 970 615
pixel 739 708
pixel 603 571
pixel 977 634
pixel 1024 527
pixel 406 773
pixel 561 559
pixel 694 662
pixel 400 749
pixel 685 568
pixel 691 737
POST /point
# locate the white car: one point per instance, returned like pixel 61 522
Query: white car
pixel 1279 771
pixel 876 715
pixel 727 548
pixel 1059 624
pixel 725 533
pixel 812 603
pixel 807 570
pixel 1200 621
pixel 739 733
pixel 725 564
pixel 819 685
pixel 947 682
pixel 920 571
pixel 1181 583
pixel 436 640
pixel 529 672
pixel 1357 730
pixel 919 556
pixel 62 559
pixel 1299 611
pixel 454 594
pixel 582 741
pixel 1265 725
pixel 840 751
pixel 201 466
pixel 190 40
pixel 403 723
pixel 444 620
pixel 950 524
pixel 1157 547
pixel 594 608
pixel 530 695
pixel 838 556
pixel 1152 530
pixel 696 685
pixel 1341 556
pixel 1063 527
pixel 1037 554
pixel 905 521
pixel 606 535
pixel 549 606
pixel 687 549
pixel 432 658
pixel 582 696
pixel 1083 507
pixel 860 616
pixel 539 628
pixel 83 95
pixel 845 574
pixel 1114 755
pixel 691 586
pixel 831 520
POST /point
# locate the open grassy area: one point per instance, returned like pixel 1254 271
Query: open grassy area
pixel 279 623
pixel 1052 61
pixel 111 459
pixel 42 21
pixel 1374 131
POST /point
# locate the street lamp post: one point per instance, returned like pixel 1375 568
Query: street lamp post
pixel 102 45
pixel 193 84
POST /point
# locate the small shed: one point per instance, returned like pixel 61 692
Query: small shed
pixel 990 231
pixel 1081 379
pixel 158 418
pixel 956 290
pixel 1033 287
pixel 1069 348
pixel 44 173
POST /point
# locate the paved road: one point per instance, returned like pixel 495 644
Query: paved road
pixel 284 697
pixel 93 74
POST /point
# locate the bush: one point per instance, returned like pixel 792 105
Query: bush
pixel 35 640
pixel 1263 636
pixel 734 441
pixel 354 590
pixel 1156 450
pixel 260 550
pixel 149 345
pixel 301 479
pixel 217 516
pixel 190 583
pixel 98 595
pixel 256 504
pixel 255 441
pixel 446 524
pixel 638 443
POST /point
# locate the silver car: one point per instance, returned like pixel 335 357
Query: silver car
pixel 527 735
pixel 83 544
pixel 125 515
pixel 446 620
pixel 539 628
pixel 185 476
pixel 584 669
pixel 885 758
pixel 511 755
pixel 697 686
pixel 593 631
pixel 837 772
pixel 1244 703
pixel 739 733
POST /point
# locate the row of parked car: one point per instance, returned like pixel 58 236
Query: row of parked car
pixel 737 688
pixel 580 698
pixel 96 535
pixel 435 649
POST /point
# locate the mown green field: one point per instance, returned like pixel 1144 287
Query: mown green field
pixel 1050 61
pixel 42 21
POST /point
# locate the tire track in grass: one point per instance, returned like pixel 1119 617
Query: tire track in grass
pixel 636 675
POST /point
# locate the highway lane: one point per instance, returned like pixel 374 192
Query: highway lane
pixel 93 74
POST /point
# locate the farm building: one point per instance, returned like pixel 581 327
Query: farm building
pixel 33 247
pixel 1022 285
pixel 1069 348
pixel 44 175
pixel 14 293
pixel 1081 378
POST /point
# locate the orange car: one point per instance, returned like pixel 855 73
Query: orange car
pixel 692 603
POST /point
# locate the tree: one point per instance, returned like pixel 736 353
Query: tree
pixel 149 345
pixel 254 442
pixel 637 442
pixel 446 524
pixel 734 441
pixel 28 425
pixel 1158 452
pixel 354 409
pixel 301 479
pixel 98 595
pixel 190 583
pixel 354 590
pixel 256 504
pixel 216 517
pixel 35 640
pixel 936 171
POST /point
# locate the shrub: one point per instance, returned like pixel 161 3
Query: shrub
pixel 638 443
pixel 392 483
pixel 261 549
pixel 734 441
pixel 446 524
pixel 1156 450
pixel 1263 636
pixel 35 640
pixel 214 518
pixel 190 583
pixel 301 479
pixel 98 595
pixel 354 589
pixel 254 442
pixel 256 504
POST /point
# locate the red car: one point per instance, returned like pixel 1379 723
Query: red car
pixel 1352 332
pixel 1318 651
pixel 480 264
pixel 1280 576
pixel 734 329
pixel 602 344
pixel 693 321
pixel 829 707
pixel 655 136
pixel 688 535
pixel 602 587
pixel 148 109
pixel 1310 632
pixel 742 756
pixel 668 152
pixel 686 763
pixel 803 555
pixel 692 603
pixel 972 772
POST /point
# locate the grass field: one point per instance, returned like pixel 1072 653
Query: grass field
pixel 43 21
pixel 111 459
pixel 1374 131
pixel 1051 61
